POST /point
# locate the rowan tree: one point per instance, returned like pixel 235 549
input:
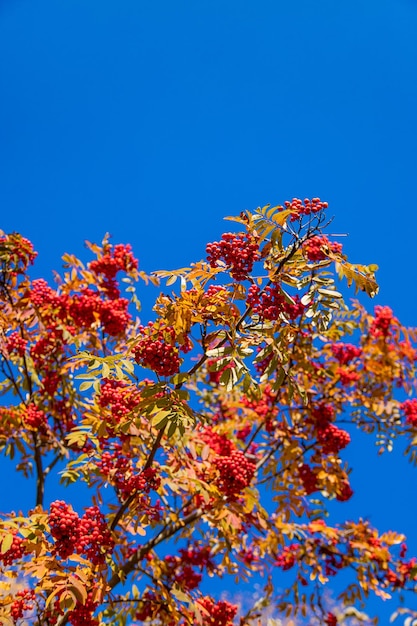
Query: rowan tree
pixel 209 440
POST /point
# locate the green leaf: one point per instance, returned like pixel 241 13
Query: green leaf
pixel 86 385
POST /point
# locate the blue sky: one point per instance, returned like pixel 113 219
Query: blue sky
pixel 154 119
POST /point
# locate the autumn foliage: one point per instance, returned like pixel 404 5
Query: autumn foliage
pixel 209 440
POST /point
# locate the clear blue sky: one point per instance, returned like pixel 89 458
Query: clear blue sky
pixel 154 119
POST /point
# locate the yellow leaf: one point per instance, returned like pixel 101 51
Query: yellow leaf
pixel 6 543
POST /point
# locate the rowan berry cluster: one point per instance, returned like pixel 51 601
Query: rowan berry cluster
pixel 14 553
pixel 35 418
pixel 271 303
pixel 383 321
pixel 82 615
pixel 45 348
pixel 317 248
pixel 95 539
pixel 120 472
pixel 217 613
pixel 25 601
pixel 82 310
pixel 235 472
pixel 345 352
pixel 308 478
pixel 87 309
pixel 331 619
pixel 50 381
pixel 20 252
pixel 179 572
pixel 322 415
pixel 119 397
pixel 347 376
pixel 265 406
pixel 286 558
pixel 41 294
pixel 332 439
pixel 344 491
pixel 88 535
pixel 64 525
pixel 16 344
pixel 220 444
pixel 115 259
pixel 237 251
pixel 307 207
pixel 198 556
pixel 332 562
pixel 404 572
pixel 410 410
pixel 156 350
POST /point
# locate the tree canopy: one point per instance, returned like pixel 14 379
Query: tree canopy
pixel 209 440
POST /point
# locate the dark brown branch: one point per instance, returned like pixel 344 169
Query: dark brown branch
pixel 40 475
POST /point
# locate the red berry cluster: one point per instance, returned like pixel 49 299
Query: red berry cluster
pixel 95 538
pixel 45 348
pixel 82 615
pixel 322 415
pixel 21 253
pixel 64 524
pixel 410 410
pixel 35 418
pixel 243 432
pixel 119 397
pixel 87 309
pixel 287 556
pixel 117 258
pixel 332 562
pixel 264 407
pixel 114 316
pixel 14 553
pixel 332 439
pixel 42 294
pixel 317 248
pixel 89 535
pixel 238 251
pixel 345 352
pixel 270 304
pixel 308 478
pixel 120 472
pixel 24 602
pixel 331 619
pixel 382 322
pixel 347 376
pixel 179 572
pixel 198 556
pixel 217 442
pixel 344 491
pixel 216 291
pixel 217 613
pixel 307 207
pixel 235 472
pixel 156 351
pixel 16 344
